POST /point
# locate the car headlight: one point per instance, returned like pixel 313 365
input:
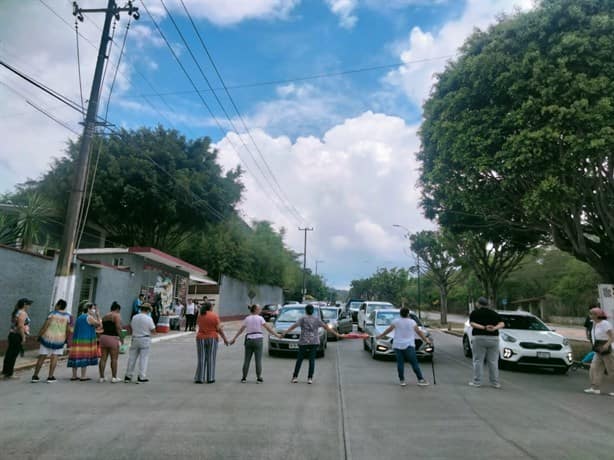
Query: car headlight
pixel 508 338
pixel 565 341
pixel 508 353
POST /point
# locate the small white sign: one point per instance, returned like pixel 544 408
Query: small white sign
pixel 606 298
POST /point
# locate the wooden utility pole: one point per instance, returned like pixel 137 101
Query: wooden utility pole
pixel 306 229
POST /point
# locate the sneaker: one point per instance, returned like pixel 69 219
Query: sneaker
pixel 140 380
pixel 309 381
pixel 496 385
pixel 127 379
pixel 593 391
pixel 243 380
pixel 423 383
pixel 101 380
pixel 115 380
pixel 610 394
pixel 259 380
pixel 35 379
pixel 51 379
pixel 294 380
pixel 403 383
pixel 475 384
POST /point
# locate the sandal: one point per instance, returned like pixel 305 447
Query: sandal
pixel 85 379
pixel 73 379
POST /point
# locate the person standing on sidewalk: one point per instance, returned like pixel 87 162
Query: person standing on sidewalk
pixel 603 360
pixel 19 330
pixel 207 337
pixel 143 327
pixel 190 315
pixel 52 338
pixel 308 341
pixel 84 349
pixel 252 325
pixel 110 339
pixel 404 345
pixel 485 324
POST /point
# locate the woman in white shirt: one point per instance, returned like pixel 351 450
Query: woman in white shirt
pixel 254 338
pixel 404 345
pixel 601 338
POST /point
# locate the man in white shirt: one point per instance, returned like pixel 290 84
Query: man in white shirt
pixel 143 328
pixel 190 315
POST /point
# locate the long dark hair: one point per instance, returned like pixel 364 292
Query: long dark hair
pixel 205 308
pixel 21 303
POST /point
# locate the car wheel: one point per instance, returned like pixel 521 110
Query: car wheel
pixel 364 345
pixel 321 353
pixel 467 347
pixel 560 370
pixel 373 355
pixel 271 352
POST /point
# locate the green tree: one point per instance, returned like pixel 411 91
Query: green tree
pixel 518 131
pixel 436 251
pixel 24 223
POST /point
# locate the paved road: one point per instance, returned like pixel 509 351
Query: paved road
pixel 354 410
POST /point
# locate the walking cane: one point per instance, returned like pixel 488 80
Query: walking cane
pixel 432 350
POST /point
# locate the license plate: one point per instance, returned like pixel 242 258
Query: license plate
pixel 543 354
pixel 293 346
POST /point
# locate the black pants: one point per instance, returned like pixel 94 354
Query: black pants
pixel 309 351
pixel 190 322
pixel 11 353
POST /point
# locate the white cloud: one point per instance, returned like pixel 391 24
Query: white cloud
pixel 351 184
pixel 415 79
pixel 344 9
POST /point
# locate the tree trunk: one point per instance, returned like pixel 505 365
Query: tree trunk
pixel 443 300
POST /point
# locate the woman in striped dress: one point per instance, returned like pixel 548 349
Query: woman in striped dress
pixel 84 349
pixel 207 337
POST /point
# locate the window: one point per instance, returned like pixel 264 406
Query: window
pixel 88 289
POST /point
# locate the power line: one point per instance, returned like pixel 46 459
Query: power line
pixel 291 207
pixel 279 195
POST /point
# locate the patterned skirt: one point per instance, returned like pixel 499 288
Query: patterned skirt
pixel 83 353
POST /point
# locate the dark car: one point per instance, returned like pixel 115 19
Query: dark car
pixel 270 311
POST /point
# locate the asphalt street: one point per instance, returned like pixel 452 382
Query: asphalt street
pixel 354 410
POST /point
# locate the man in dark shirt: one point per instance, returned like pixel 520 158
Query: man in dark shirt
pixel 485 325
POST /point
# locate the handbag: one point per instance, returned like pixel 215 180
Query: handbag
pixel 597 347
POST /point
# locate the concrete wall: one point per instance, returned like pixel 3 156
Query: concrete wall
pixel 233 300
pixel 24 274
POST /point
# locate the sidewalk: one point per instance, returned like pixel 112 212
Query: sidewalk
pixel 28 361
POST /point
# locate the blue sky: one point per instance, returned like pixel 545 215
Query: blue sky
pixel 341 148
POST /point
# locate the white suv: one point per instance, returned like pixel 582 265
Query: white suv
pixel 365 310
pixel 527 341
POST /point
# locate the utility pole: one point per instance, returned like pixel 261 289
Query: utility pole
pixel 64 282
pixel 306 229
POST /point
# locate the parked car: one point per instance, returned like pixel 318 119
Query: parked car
pixel 338 320
pixel 378 321
pixel 269 311
pixel 527 341
pixel 286 317
pixel 352 307
pixel 365 310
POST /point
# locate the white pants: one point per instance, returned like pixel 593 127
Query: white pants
pixel 139 348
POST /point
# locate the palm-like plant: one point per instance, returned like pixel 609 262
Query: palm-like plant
pixel 26 223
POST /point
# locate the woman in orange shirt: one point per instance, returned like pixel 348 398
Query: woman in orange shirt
pixel 209 331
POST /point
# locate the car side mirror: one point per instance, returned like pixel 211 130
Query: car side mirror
pixel 552 329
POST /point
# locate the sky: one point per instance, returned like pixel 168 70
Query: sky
pixel 319 101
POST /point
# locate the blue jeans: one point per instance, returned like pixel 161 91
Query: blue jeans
pixel 407 354
pixel 310 351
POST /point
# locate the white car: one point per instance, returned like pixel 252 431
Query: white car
pixel 527 341
pixel 365 310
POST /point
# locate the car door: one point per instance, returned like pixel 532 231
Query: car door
pixel 344 322
pixel 362 316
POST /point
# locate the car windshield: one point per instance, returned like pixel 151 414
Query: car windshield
pixel 378 306
pixel 269 307
pixel 291 315
pixel 385 318
pixel 355 305
pixel 526 323
pixel 329 313
pixel 415 318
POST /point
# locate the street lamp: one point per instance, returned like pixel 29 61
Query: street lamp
pixel 417 266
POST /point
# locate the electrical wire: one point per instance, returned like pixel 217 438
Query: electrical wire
pixel 278 193
pixel 281 193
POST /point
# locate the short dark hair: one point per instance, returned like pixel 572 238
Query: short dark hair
pixel 115 306
pixel 253 308
pixel 61 304
pixel 309 309
pixel 205 308
pixel 404 312
pixel 483 301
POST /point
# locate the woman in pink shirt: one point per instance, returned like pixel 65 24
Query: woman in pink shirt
pixel 252 325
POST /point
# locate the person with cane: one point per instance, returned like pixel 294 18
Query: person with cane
pixel 404 345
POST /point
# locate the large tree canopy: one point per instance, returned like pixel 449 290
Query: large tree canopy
pixel 152 186
pixel 518 132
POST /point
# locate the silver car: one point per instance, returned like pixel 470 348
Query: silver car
pixel 338 320
pixel 288 315
pixel 378 321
